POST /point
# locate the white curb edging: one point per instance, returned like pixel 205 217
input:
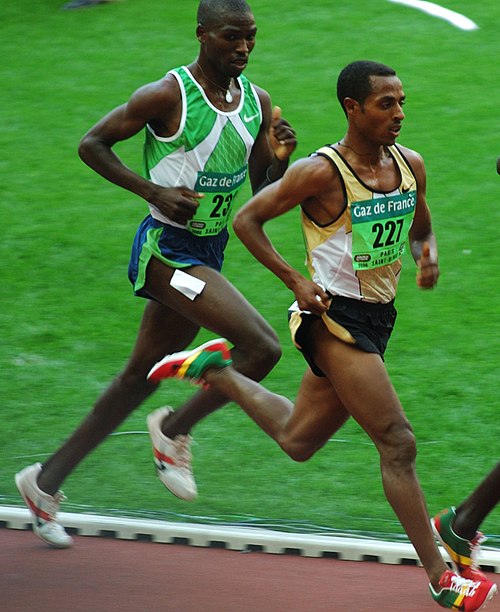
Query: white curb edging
pixel 238 538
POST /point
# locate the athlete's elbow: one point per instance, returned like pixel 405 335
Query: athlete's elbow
pixel 85 148
pixel 92 148
pixel 240 223
pixel 82 148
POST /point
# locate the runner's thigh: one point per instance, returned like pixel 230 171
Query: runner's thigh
pixel 162 331
pixel 318 413
pixel 361 382
pixel 220 307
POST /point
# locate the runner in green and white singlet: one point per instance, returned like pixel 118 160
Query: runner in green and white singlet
pixel 207 129
pixel 210 151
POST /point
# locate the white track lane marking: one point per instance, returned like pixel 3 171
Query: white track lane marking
pixel 456 19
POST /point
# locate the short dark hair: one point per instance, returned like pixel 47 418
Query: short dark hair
pixel 354 80
pixel 210 11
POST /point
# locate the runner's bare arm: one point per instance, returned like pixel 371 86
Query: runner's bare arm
pixel 157 104
pixel 304 179
pixel 273 147
pixel 422 239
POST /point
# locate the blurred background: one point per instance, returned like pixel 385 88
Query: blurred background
pixel 68 316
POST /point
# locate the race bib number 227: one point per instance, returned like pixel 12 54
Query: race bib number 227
pixel 380 228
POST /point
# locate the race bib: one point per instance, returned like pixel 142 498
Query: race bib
pixel 380 228
pixel 215 208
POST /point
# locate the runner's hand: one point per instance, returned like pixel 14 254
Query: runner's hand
pixel 428 271
pixel 281 136
pixel 177 203
pixel 311 297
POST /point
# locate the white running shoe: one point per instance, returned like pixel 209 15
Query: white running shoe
pixel 172 457
pixel 43 507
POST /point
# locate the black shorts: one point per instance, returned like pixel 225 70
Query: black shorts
pixel 365 325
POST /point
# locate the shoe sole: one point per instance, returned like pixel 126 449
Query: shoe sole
pixel 187 498
pixel 489 597
pixel 212 345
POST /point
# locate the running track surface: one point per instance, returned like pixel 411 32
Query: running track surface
pixel 106 575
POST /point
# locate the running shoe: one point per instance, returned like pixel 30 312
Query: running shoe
pixel 43 508
pixel 459 593
pixel 190 365
pixel 463 553
pixel 172 457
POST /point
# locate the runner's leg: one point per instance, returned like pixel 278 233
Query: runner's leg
pixel 301 428
pixel 222 309
pixel 364 387
pixel 472 512
pixel 162 330
pixel 219 308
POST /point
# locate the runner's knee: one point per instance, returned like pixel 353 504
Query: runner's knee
pixel 271 351
pixel 259 356
pixel 298 450
pixel 133 388
pixel 397 444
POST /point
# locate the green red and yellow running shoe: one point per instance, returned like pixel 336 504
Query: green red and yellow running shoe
pixel 190 365
pixel 458 593
pixel 463 553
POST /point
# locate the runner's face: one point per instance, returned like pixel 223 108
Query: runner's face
pixel 229 42
pixel 379 118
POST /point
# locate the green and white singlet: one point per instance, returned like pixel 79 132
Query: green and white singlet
pixel 358 255
pixel 209 153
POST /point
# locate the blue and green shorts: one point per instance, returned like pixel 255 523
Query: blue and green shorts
pixel 175 246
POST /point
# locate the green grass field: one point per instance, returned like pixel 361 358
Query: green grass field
pixel 68 316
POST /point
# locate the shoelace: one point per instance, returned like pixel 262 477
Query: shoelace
pixel 51 506
pixel 182 444
pixel 464 586
pixel 475 548
pixel 59 497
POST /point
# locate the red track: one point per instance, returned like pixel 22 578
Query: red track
pixel 104 575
